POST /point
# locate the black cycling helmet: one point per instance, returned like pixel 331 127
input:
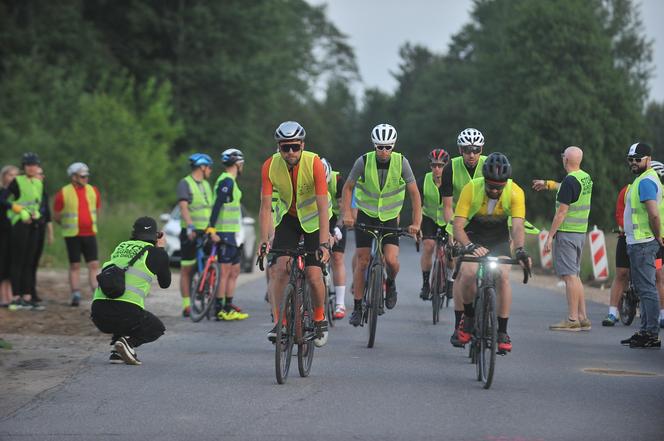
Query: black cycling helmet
pixel 497 168
pixel 30 158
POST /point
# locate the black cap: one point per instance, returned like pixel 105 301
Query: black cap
pixel 29 158
pixel 639 150
pixel 145 228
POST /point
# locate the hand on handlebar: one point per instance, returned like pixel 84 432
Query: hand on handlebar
pixel 323 254
pixel 413 229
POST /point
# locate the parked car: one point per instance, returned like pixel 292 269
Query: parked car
pixel 246 236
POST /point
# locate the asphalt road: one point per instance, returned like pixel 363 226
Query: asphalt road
pixel 215 380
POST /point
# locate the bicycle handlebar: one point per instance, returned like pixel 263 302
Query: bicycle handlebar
pixel 498 260
pixel 375 230
pixel 286 252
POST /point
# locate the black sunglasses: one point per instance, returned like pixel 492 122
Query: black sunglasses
pixel 290 147
pixel 384 147
pixel 471 149
pixel 630 160
pixel 437 165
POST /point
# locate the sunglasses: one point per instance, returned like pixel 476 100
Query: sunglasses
pixel 83 176
pixel 471 149
pixel 437 165
pixel 290 147
pixel 491 186
pixel 384 147
pixel 631 160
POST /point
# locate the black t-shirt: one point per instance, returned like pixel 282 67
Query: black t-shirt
pixel 157 261
pixel 420 187
pixel 570 190
pixel 447 187
pixel 340 185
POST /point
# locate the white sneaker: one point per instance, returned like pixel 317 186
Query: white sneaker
pixel 127 353
pixel 321 332
pixel 339 312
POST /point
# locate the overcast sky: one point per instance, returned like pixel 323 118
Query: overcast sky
pixel 377 28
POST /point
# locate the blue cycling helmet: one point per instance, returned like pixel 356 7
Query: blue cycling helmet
pixel 199 159
pixel 231 156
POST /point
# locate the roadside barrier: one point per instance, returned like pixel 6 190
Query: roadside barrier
pixel 598 254
pixel 545 258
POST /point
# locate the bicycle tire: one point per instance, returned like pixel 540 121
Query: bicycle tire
pixel 329 306
pixel 283 347
pixel 374 297
pixel 627 307
pixel 488 338
pixel 201 298
pixel 305 344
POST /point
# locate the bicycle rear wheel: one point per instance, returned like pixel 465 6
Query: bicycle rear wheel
pixel 374 299
pixel 435 291
pixel 488 335
pixel 305 345
pixel 329 302
pixel 202 293
pixel 283 347
pixel 627 306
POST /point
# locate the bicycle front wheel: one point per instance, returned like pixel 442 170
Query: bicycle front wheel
pixel 374 301
pixel 627 307
pixel 283 347
pixel 203 291
pixel 488 335
pixel 305 345
pixel 435 287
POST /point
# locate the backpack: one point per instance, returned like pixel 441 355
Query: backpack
pixel 111 279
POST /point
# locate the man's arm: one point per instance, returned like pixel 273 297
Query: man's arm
pixel 459 231
pixel 447 209
pixel 653 219
pixel 518 232
pixel 542 184
pixel 265 218
pixel 323 221
pixel 346 197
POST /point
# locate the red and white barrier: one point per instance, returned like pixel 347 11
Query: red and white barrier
pixel 545 258
pixel 598 254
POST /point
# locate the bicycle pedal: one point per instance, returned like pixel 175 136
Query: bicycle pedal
pixel 501 352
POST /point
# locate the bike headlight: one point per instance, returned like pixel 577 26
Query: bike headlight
pixel 493 265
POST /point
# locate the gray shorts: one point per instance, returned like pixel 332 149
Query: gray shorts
pixel 567 249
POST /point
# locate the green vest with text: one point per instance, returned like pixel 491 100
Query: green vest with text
pixel 200 207
pixel 432 206
pixel 460 176
pixel 640 220
pixel 382 203
pixel 230 216
pixel 31 191
pixel 576 220
pixel 138 278
pixel 332 189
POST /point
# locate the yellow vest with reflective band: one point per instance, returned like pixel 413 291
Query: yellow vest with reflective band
pixel 432 206
pixel 138 277
pixel 31 191
pixel 460 176
pixel 332 189
pixel 230 216
pixel 70 209
pixel 307 209
pixel 382 203
pixel 200 207
pixel 576 220
pixel 277 208
pixel 640 220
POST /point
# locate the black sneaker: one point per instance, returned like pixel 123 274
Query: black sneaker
pixel 425 293
pixel 34 306
pixel 646 340
pixel 356 318
pixel 320 330
pixel 628 341
pixel 391 295
pixel 126 352
pixel 454 339
pixel 272 334
pixel 115 358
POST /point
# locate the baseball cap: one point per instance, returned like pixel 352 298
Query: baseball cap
pixel 78 168
pixel 639 150
pixel 30 158
pixel 145 228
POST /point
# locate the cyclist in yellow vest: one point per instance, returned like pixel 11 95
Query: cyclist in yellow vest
pixel 125 317
pixel 481 222
pixel 335 185
pixel 76 209
pixel 433 213
pixel 567 235
pixel 225 223
pixel 304 210
pixel 380 179
pixel 462 169
pixel 195 201
pixel 24 196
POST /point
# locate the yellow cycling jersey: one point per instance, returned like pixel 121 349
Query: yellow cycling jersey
pixel 491 210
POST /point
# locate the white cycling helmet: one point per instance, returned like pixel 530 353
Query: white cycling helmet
pixel 470 137
pixel 289 131
pixel 658 167
pixel 384 134
pixel 328 169
pixel 78 168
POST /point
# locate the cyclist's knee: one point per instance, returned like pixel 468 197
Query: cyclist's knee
pixel 392 262
pixel 428 246
pixel 337 258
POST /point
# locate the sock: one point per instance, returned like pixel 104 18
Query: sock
pixel 228 303
pixel 457 318
pixel 357 304
pixel 319 313
pixel 185 302
pixel 425 278
pixel 502 324
pixel 340 292
pixel 469 310
pixel 614 310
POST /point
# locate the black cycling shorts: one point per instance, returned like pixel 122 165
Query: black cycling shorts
pixel 363 239
pixel 77 245
pixel 287 236
pixel 622 259
pixel 188 247
pixel 429 227
pixel 340 246
pixel 229 253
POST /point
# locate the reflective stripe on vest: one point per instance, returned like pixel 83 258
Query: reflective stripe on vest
pixel 332 189
pixel 70 209
pixel 230 216
pixel 460 176
pixel 640 220
pixel 138 278
pixel 386 203
pixel 432 206
pixel 30 191
pixel 576 219
pixel 200 207
pixel 306 207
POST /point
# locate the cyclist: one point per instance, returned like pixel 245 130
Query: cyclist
pixel 335 185
pixel 304 210
pixel 380 179
pixel 195 200
pixel 463 168
pixel 481 227
pixel 225 223
pixel 433 212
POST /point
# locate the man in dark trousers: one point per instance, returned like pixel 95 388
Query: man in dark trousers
pixel 125 317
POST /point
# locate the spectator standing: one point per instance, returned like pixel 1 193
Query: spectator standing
pixel 76 209
pixel 567 235
pixel 7 175
pixel 44 234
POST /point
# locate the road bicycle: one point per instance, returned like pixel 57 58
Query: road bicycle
pixel 205 280
pixel 628 304
pixel 484 340
pixel 438 282
pixel 296 316
pixel 373 299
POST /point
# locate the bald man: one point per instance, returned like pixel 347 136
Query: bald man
pixel 568 234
